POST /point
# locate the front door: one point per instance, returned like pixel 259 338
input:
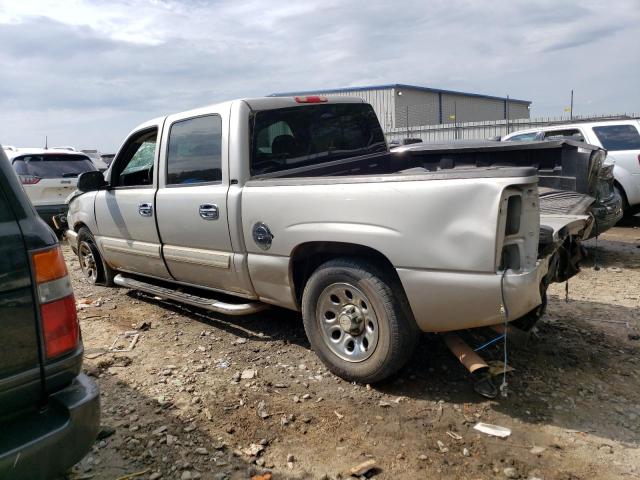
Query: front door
pixel 125 213
pixel 192 201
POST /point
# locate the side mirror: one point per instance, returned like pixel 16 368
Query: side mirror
pixel 91 181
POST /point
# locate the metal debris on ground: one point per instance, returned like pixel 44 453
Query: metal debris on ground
pixel 133 475
pixel 132 335
pixel 363 468
pixel 493 430
pixel 497 367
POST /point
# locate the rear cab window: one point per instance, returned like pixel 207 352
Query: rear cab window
pixel 195 151
pixel 618 137
pixel 52 165
pixel 293 137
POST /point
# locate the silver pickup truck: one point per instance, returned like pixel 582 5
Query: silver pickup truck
pixel 297 202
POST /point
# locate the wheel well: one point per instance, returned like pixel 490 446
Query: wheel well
pixel 620 188
pixel 78 226
pixel 309 256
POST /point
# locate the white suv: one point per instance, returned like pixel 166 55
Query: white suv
pixel 48 177
pixel 621 138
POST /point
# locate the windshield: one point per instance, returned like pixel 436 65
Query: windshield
pixel 286 138
pixel 618 137
pixel 52 165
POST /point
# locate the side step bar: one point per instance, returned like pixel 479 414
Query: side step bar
pixel 210 304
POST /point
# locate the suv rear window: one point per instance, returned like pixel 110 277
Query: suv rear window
pixel 52 165
pixel 618 137
pixel 293 137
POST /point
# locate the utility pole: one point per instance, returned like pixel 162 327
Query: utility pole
pixel 407 118
pixel 507 113
pixel 455 119
pixel 571 107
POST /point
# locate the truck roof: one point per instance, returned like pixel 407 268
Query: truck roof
pixel 256 103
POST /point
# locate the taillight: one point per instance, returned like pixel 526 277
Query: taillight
pixel 29 179
pixel 60 327
pixel 311 99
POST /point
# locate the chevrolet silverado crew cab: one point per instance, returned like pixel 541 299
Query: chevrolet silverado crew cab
pixel 49 410
pixel 297 202
pixel 621 139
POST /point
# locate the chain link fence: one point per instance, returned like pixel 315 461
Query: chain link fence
pixel 488 129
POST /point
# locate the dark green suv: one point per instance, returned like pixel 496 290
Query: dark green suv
pixel 49 410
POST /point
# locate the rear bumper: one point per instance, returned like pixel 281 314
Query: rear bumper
pixel 446 301
pixel 40 445
pixel 47 212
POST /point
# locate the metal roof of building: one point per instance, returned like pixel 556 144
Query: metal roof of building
pixel 397 86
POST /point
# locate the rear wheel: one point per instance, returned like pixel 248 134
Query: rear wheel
pixel 358 321
pixel 94 268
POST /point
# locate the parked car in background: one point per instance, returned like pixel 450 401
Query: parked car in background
pixel 107 157
pixel 49 410
pixel 97 160
pixel 621 139
pixel 48 177
pixel 297 202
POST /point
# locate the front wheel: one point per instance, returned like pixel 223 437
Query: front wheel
pixel 358 320
pixel 94 268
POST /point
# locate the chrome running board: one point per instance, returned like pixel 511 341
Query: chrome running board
pixel 206 303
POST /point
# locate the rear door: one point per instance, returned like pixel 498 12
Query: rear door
pixel 48 179
pixel 19 361
pixel 125 213
pixel 192 200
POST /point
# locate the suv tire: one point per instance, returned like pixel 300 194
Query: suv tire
pixel 358 320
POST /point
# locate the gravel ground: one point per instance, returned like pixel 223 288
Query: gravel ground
pixel 206 396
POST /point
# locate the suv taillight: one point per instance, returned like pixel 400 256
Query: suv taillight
pixel 29 179
pixel 60 327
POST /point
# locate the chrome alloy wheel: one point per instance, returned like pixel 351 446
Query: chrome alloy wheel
pixel 87 262
pixel 348 323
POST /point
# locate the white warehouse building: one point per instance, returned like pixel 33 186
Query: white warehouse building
pixel 399 106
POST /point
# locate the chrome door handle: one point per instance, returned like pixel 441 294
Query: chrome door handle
pixel 145 209
pixel 209 211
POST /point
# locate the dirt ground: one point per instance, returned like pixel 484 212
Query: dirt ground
pixel 206 396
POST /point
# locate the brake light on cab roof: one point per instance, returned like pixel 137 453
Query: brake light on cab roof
pixel 312 99
pixel 58 314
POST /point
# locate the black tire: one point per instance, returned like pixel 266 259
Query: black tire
pixel 386 303
pixel 626 210
pixel 94 269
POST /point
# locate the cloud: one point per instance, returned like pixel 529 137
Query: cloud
pixel 88 71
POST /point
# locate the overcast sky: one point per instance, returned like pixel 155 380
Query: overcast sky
pixel 85 72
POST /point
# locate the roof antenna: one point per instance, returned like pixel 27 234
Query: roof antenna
pixel 46 142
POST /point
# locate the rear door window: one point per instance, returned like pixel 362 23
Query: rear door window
pixel 292 137
pixel 618 137
pixel 195 151
pixel 52 165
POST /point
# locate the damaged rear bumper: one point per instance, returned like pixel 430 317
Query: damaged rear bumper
pixel 444 301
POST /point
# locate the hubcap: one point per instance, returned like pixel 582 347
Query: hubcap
pixel 348 322
pixel 87 261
